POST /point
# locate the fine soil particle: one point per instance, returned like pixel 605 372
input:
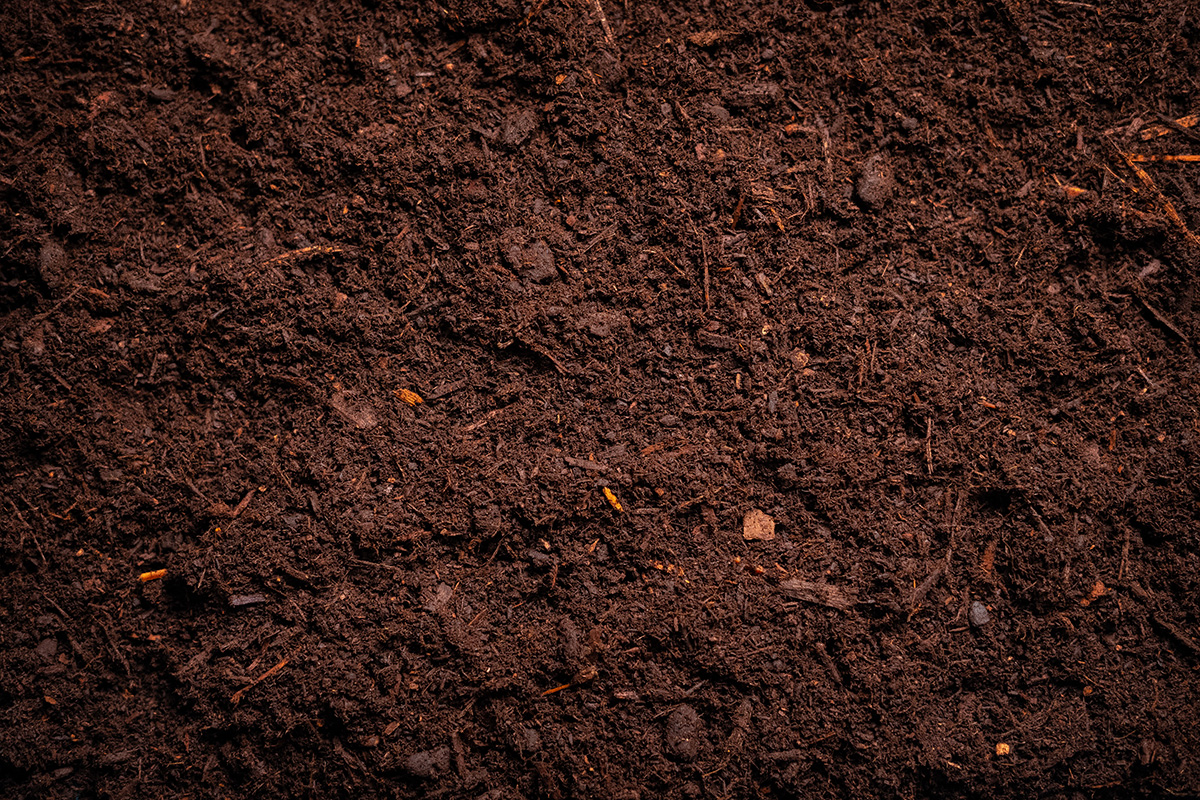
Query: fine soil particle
pixel 385 389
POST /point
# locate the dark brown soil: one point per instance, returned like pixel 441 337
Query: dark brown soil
pixel 877 272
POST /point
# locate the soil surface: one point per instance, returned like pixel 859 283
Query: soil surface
pixel 504 399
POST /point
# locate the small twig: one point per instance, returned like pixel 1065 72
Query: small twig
pixel 1181 125
pixel 608 34
pixel 45 314
pixel 32 532
pixel 237 512
pixel 667 258
pixel 955 519
pixel 1162 318
pixel 536 8
pixel 1124 556
pixel 704 258
pixel 237 696
pixel 929 444
pixel 1145 158
pixel 303 251
pixel 1168 207
pixel 919 593
pixel 421 288
pixel 599 237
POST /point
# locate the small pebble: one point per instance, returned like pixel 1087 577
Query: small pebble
pixel 768 54
pixel 978 615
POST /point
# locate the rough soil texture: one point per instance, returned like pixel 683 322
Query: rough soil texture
pixel 883 351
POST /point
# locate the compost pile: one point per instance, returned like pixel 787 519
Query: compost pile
pixel 504 399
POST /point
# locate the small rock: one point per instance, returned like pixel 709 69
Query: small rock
pixel 48 648
pixel 978 615
pixel 161 94
pixel 909 124
pixel 757 526
pixel 767 54
pixel 429 763
pixel 683 733
pixel 875 184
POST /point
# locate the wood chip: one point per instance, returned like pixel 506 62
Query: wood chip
pixel 612 499
pixel 757 526
pixel 409 397
pixel 822 594
pixel 584 463
pixel 709 38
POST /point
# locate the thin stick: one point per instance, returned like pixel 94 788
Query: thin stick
pixel 237 512
pixel 1145 178
pixel 533 13
pixel 1139 157
pixel 1168 126
pixel 704 258
pixel 929 444
pixel 608 34
pixel 303 251
pixel 237 697
pixel 32 532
